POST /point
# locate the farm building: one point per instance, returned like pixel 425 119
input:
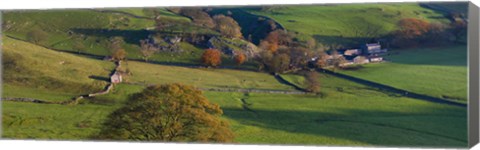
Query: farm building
pixel 116 78
pixel 376 59
pixel 360 60
pixel 352 52
pixel 373 48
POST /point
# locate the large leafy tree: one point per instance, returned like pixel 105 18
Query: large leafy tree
pixel 170 112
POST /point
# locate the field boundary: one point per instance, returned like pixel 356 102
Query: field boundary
pixel 239 90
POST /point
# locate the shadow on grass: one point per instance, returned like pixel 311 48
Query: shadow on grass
pixel 101 78
pixel 130 36
pixel 354 125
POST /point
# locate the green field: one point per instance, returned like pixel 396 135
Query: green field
pixel 347 23
pixel 36 72
pixel 204 78
pixel 438 72
pixel 356 116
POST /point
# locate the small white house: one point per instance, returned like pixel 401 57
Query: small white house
pixel 116 78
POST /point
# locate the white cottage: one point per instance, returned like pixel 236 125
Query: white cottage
pixel 116 78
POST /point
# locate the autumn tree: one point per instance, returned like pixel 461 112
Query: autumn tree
pixel 411 27
pixel 270 43
pixel 459 30
pixel 411 32
pixel 147 49
pixel 198 16
pixel 337 60
pixel 312 82
pixel 227 26
pixel 115 43
pixel 167 113
pixel 37 36
pixel 119 54
pixel 299 56
pixel 280 63
pixel 212 57
pixel 311 43
pixel 322 60
pixel 264 59
pixel 240 58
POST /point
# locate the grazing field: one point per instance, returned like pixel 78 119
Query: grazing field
pixel 50 121
pixel 33 71
pixel 438 72
pixel 347 23
pixel 204 78
pixel 355 115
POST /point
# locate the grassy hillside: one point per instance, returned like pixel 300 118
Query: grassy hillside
pixel 58 24
pixel 36 72
pixel 346 23
pixel 438 72
pixel 76 122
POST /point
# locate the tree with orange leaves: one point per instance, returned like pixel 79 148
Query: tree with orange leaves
pixel 270 43
pixel 212 57
pixel 412 32
pixel 412 27
pixel 240 58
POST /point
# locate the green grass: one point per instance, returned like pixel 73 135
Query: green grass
pixel 343 119
pixel 438 72
pixel 33 71
pixel 339 24
pixel 354 116
pixel 349 114
pixel 148 12
pixel 205 78
pixel 61 122
pixel 37 121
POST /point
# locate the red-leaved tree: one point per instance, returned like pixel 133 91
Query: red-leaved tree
pixel 212 57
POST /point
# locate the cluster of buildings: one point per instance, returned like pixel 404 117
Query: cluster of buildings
pixel 368 53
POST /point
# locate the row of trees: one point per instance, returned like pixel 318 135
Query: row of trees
pixel 225 25
pixel 213 58
pixel 283 52
pixel 417 32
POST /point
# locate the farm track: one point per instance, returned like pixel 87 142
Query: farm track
pixel 393 89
